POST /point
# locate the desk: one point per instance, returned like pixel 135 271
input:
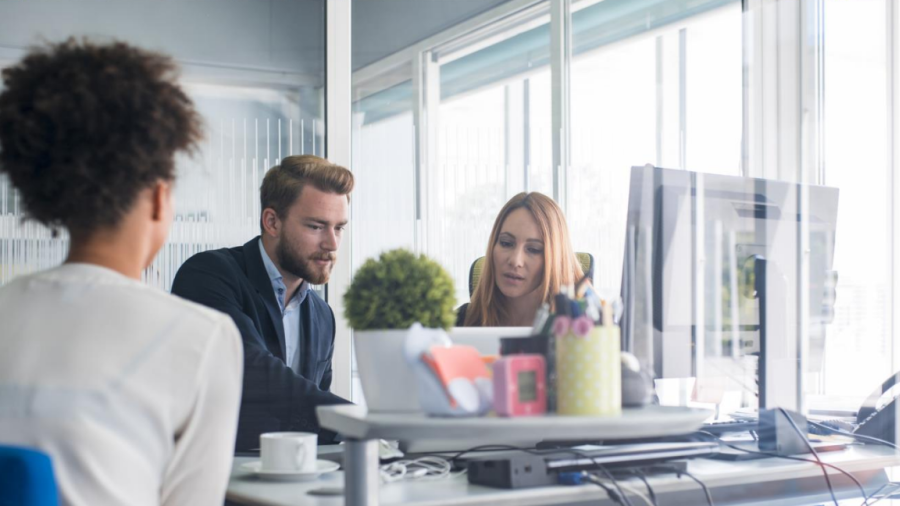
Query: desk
pixel 769 482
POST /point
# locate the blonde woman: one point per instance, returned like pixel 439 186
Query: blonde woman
pixel 529 257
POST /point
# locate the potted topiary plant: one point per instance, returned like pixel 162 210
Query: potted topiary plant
pixel 387 296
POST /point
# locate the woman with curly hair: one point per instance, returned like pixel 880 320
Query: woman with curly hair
pixel 529 257
pixel 131 391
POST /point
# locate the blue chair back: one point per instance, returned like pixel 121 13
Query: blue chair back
pixel 26 478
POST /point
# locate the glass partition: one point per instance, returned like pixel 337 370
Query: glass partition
pixel 793 92
pixel 256 76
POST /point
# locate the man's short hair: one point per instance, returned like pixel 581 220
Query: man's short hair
pixel 85 127
pixel 284 182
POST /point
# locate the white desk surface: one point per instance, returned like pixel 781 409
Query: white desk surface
pixel 650 421
pixel 772 482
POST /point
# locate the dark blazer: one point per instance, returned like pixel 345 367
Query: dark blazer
pixel 275 398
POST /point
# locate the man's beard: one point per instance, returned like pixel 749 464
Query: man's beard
pixel 304 268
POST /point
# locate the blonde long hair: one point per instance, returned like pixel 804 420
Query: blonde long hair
pixel 561 267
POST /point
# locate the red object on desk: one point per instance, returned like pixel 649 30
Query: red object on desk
pixel 454 363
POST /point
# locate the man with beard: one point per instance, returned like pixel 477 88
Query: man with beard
pixel 264 285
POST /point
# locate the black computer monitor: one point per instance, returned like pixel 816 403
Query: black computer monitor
pixel 695 245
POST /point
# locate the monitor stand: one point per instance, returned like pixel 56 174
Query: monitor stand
pixel 779 364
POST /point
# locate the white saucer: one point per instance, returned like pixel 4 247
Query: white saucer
pixel 322 466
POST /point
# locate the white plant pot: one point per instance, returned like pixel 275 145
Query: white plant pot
pixel 387 380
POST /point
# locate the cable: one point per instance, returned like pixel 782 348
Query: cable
pixel 854 435
pixel 532 451
pixel 678 472
pixel 702 485
pixel 639 494
pixel 614 482
pixel 622 487
pixel 640 474
pixel 886 495
pixel 614 495
pixel 816 455
pixel 617 495
pixel 788 457
pixel 584 455
pixel 582 477
pixel 422 468
pixel 485 448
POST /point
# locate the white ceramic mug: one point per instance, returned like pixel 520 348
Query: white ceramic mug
pixel 288 451
pixel 674 391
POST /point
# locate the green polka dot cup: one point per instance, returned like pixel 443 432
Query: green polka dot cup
pixel 589 373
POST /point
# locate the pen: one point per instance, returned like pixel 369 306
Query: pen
pixel 607 313
pixel 563 308
pixel 540 319
pixel 575 308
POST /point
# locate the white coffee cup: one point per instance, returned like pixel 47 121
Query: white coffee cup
pixel 288 451
pixel 674 391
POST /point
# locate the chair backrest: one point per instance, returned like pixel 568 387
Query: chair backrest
pixel 26 478
pixel 585 259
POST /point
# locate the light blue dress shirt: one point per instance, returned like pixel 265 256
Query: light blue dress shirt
pixel 290 313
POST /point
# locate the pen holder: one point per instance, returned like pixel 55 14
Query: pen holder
pixel 589 372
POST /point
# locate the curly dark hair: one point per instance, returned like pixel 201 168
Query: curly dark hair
pixel 85 127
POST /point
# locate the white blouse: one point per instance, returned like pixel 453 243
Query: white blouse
pixel 132 392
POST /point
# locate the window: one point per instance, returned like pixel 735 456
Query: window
pixel 668 96
pixel 858 351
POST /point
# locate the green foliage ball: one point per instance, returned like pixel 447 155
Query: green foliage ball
pixel 399 289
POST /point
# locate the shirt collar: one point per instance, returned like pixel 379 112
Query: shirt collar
pixel 278 280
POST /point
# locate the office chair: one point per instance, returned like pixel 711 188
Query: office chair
pixel 26 478
pixel 585 259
